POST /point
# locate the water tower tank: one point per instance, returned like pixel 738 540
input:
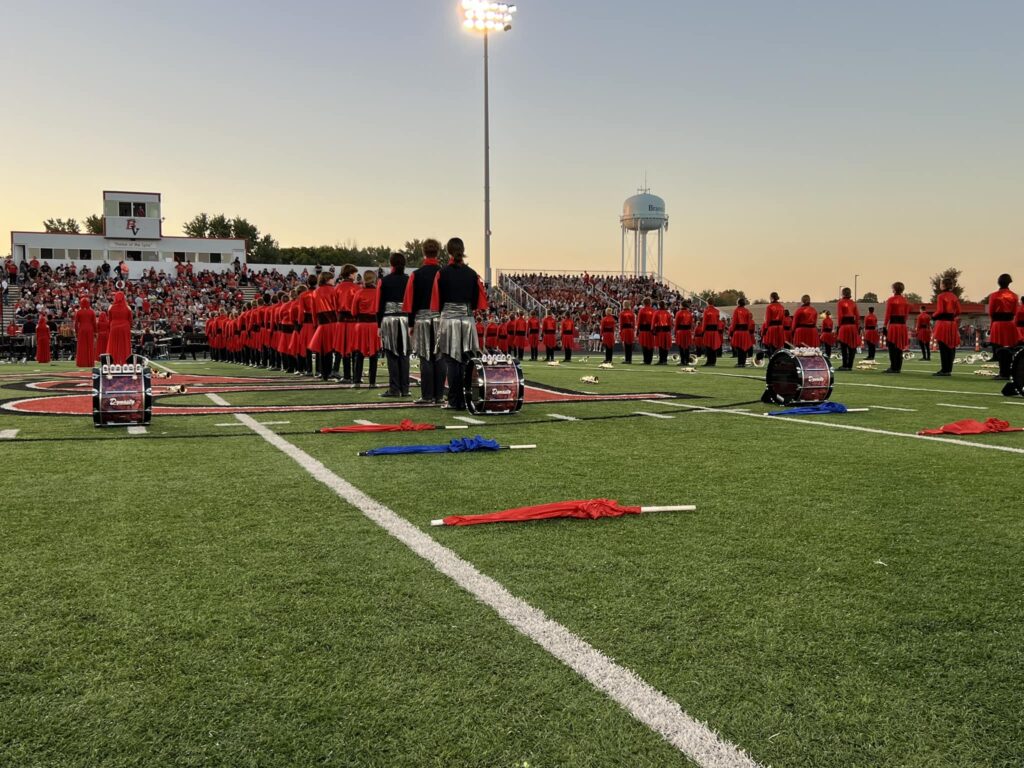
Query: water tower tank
pixel 644 213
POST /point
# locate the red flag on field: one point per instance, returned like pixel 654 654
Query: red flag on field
pixel 404 426
pixel 587 510
pixel 972 427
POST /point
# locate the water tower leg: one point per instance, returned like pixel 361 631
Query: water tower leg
pixel 623 251
pixel 644 253
pixel 661 254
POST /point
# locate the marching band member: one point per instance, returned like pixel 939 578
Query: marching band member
pixel 457 293
pixel 85 335
pixel 548 328
pixel 627 331
pixel 871 337
pixel 923 334
pixel 491 334
pixel 503 336
pixel 119 345
pixel 773 332
pixel 608 334
pixel 533 329
pixel 394 327
pixel 740 335
pixel 1002 308
pixel 828 337
pixel 520 329
pixel 344 349
pixel 662 332
pixel 102 333
pixel 325 337
pixel 645 325
pixel 1019 320
pixel 947 328
pixel 849 329
pixel 896 337
pixel 365 337
pixel 684 332
pixel 712 323
pixel 307 303
pixel 805 324
pixel 568 330
pixel 43 338
pixel 426 324
pixel 787 326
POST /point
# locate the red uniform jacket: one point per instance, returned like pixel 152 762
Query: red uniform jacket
pixel 520 326
pixel 896 311
pixel 568 330
pixel 924 328
pixel 662 328
pixel 684 329
pixel 740 328
pixel 645 326
pixel 1019 320
pixel 712 322
pixel 533 331
pixel 491 335
pixel 849 322
pixel 805 327
pixel 947 319
pixel 773 334
pixel 871 335
pixel 608 331
pixel 1002 308
pixel 827 326
pixel 627 326
pixel 548 327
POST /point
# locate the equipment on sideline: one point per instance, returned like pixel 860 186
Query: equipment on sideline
pixel 798 376
pixel 122 395
pixel 458 445
pixel 494 385
pixel 585 510
pixel 1015 386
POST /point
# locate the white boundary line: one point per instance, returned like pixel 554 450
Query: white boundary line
pixel 641 700
pixel 969 407
pixel 9 434
pixel 469 420
pixel 653 415
pixel 561 417
pixel 137 430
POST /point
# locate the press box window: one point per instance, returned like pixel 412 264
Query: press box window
pixel 133 255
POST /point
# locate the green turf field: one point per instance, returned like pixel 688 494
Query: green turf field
pixel 192 596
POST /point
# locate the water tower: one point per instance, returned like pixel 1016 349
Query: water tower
pixel 641 214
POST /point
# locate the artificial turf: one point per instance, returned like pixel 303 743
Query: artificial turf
pixel 840 598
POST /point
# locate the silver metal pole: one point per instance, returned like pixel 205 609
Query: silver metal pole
pixel 487 168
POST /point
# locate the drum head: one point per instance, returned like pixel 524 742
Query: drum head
pixel 1017 370
pixel 494 387
pixel 793 378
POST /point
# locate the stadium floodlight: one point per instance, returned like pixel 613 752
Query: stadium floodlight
pixel 486 16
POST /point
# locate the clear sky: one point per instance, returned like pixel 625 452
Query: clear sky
pixel 796 143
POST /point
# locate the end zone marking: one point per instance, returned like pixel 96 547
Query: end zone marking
pixel 639 698
pixel 9 434
pixel 469 420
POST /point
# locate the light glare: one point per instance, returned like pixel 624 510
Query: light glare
pixel 486 15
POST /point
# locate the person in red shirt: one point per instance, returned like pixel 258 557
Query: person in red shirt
pixel 662 332
pixel 712 322
pixel 828 337
pixel 119 345
pixel 1019 321
pixel 896 337
pixel 805 324
pixel 568 329
pixel 645 325
pixel 627 331
pixel 533 330
pixel 42 338
pixel 684 332
pixel 947 328
pixel 548 328
pixel 608 334
pixel 1002 308
pixel 481 332
pixel 365 342
pixel 503 336
pixel 740 332
pixel 491 334
pixel 773 332
pixel 787 326
pixel 521 328
pixel 872 339
pixel 345 291
pixel 923 333
pixel 85 335
pixel 849 329
pixel 324 341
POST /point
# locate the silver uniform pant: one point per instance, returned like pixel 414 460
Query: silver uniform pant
pixel 425 331
pixel 457 335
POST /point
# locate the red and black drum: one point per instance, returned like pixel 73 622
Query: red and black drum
pixel 122 395
pixel 1015 386
pixel 798 378
pixel 494 384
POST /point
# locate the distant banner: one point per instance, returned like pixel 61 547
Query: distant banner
pixel 132 228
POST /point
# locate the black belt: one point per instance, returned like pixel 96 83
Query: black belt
pixel 663 329
pixel 287 328
pixel 308 317
pixel 944 316
pixel 627 327
pixel 774 323
pixel 1002 317
pixel 1020 323
pixel 520 333
pixel 346 317
pixel 870 327
pixel 535 333
pixel 325 318
pixel 848 321
pixel 742 327
pixel 366 318
pixel 644 328
pixel 712 328
pixel 684 327
pixel 897 321
pixel 807 325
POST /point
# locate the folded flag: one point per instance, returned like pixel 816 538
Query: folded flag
pixel 591 509
pixel 972 427
pixel 459 445
pixel 406 425
pixel 812 410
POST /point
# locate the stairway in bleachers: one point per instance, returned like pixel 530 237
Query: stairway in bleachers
pixel 13 297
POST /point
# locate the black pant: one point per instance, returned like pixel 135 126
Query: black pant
pixel 608 353
pixel 1005 357
pixel 326 364
pixel 648 355
pixel 926 351
pixel 456 383
pixel 398 373
pixel 849 355
pixel 828 350
pixel 662 355
pixel 568 353
pixel 684 356
pixel 871 352
pixel 357 368
pixel 627 351
pixel 431 378
pixel 712 357
pixel 946 357
pixel 895 357
pixel 550 354
pixel 533 353
pixel 742 355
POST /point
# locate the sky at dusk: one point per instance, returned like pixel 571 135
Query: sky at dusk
pixel 795 143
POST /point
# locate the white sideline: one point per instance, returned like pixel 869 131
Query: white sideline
pixel 137 430
pixel 9 434
pixel 969 407
pixel 645 703
pixel 469 420
pixel 653 415
pixel 561 417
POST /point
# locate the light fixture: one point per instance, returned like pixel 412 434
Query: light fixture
pixel 487 16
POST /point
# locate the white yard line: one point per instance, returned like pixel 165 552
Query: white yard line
pixel 969 407
pixel 365 423
pixel 137 430
pixel 641 700
pixel 9 434
pixel 891 408
pixel 653 415
pixel 469 420
pixel 561 417
pixel 841 383
pixel 162 367
pixel 833 425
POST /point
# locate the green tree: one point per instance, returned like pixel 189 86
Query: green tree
pixel 707 295
pixel 221 227
pixel 94 225
pixel 913 298
pixel 870 297
pixel 728 297
pixel 62 226
pixel 953 275
pixel 263 249
pixel 199 226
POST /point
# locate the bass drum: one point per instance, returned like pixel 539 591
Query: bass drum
pixel 494 385
pixel 1015 386
pixel 793 378
pixel 122 395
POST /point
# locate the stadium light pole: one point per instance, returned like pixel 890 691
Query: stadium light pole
pixel 486 17
pixel 856 296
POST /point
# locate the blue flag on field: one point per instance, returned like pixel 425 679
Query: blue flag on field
pixel 459 445
pixel 812 410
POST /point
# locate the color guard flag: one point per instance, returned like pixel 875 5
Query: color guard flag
pixel 586 510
